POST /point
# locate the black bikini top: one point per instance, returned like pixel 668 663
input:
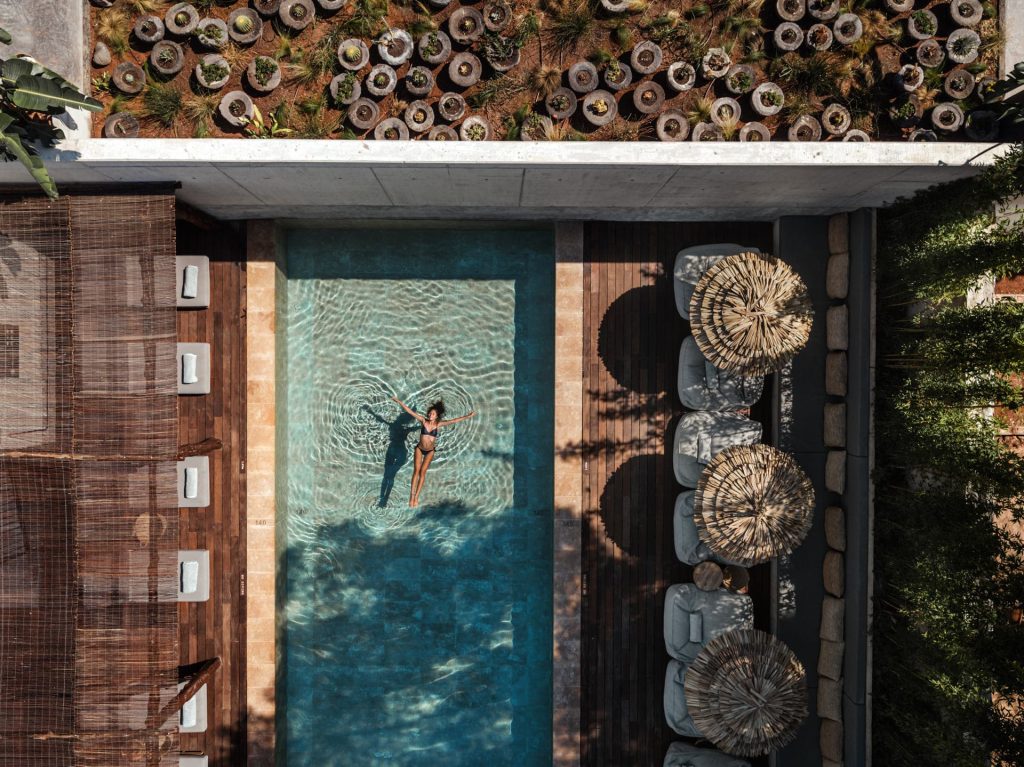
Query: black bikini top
pixel 425 433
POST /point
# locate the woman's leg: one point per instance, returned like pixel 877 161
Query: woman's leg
pixel 417 463
pixel 423 473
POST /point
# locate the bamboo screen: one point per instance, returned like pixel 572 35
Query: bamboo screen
pixel 88 503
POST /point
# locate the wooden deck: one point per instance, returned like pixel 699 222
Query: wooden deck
pixel 217 628
pixel 632 335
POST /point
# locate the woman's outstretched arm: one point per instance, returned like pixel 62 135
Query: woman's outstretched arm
pixel 409 410
pixel 468 415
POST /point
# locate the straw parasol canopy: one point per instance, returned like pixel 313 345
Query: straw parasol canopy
pixel 753 502
pixel 746 692
pixel 750 314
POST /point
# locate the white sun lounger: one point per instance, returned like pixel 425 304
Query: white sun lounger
pixel 694 617
pixel 702 386
pixel 701 436
pixel 688 755
pixel 691 263
pixel 192 281
pixel 677 715
pixel 193 575
pixel 194 482
pixel 193 368
pixel 192 717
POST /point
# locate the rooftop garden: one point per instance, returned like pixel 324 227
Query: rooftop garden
pixel 701 70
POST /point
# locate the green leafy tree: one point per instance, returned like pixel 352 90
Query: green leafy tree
pixel 30 96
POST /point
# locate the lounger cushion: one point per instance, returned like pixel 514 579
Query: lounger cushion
pixel 189 760
pixel 190 283
pixel 193 575
pixel 193 368
pixel 189 577
pixel 194 482
pixel 189 364
pixel 700 436
pixel 690 549
pixel 691 263
pixel 702 386
pixel 192 277
pixel 677 716
pixel 688 755
pixel 719 611
pixel 191 482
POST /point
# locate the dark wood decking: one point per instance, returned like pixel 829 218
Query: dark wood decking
pixel 217 628
pixel 632 335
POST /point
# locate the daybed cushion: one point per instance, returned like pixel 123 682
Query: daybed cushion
pixel 690 549
pixel 691 263
pixel 193 761
pixel 194 359
pixel 702 386
pixel 677 716
pixel 192 717
pixel 197 495
pixel 702 435
pixel 688 755
pixel 187 269
pixel 193 575
pixel 719 611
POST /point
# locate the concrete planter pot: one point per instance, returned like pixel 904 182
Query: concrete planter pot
pixel 583 77
pixel 599 108
pixel 788 36
pixel 823 10
pixel 836 119
pixel 740 79
pixel 561 104
pixel 791 10
pixel 497 15
pixel 648 97
pixel 984 87
pixel 440 3
pixel 907 112
pixel 966 13
pixel 922 24
pixel 395 47
pixel 672 126
pixel 363 114
pixel 236 108
pixel 681 76
pixel 129 78
pixel 504 62
pixel 353 54
pixel 948 118
pixel 899 6
pixel 419 116
pixel 725 111
pixel 475 128
pixel 617 76
pixel 419 81
pixel 442 133
pixel 451 106
pixel 767 99
pixel 345 89
pixel 121 125
pixel 434 47
pixel 923 135
pixel 263 74
pixel 391 129
pixel 857 135
pixel 982 125
pixel 466 25
pixel 266 7
pixel 381 81
pixel 848 28
pixel 959 84
pixel 963 46
pixel 819 37
pixel 213 71
pixel 646 57
pixel 615 6
pixel 930 54
pixel 910 77
pixel 148 29
pixel 805 128
pixel 212 34
pixel 755 131
pixel 716 63
pixel 245 26
pixel 331 5
pixel 465 69
pixel 296 14
pixel 167 58
pixel 181 19
pixel 535 128
pixel 706 132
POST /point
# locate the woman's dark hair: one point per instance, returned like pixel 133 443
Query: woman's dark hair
pixel 437 407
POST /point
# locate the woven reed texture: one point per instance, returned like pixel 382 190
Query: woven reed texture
pixel 747 692
pixel 88 503
pixel 750 314
pixel 753 502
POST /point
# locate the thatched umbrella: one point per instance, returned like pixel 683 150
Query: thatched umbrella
pixel 750 314
pixel 746 692
pixel 753 502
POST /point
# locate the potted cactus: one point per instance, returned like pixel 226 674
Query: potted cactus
pixel 244 26
pixel 466 25
pixel 121 125
pixel 381 80
pixel 149 29
pixel 740 79
pixel 805 128
pixel 395 47
pixel 419 81
pixel 181 19
pixel 672 125
pixel 264 74
pixel 930 54
pixel 791 10
pixel 648 97
pixel 922 24
pixel 128 77
pixel 167 58
pixel 716 63
pixel 788 36
pixel 948 118
pixel 451 106
pixel 819 37
pixel 535 127
pixel 353 54
pixel 966 13
pixel 212 72
pixel 583 77
pixel 963 46
pixel 497 15
pixel 836 119
pixel 755 131
pixel 681 76
pixel 725 111
pixel 345 88
pixel 419 116
pixel 442 133
pixel 465 69
pixel 391 129
pixel 617 75
pixel 363 114
pixel 911 77
pixel 906 112
pixel 959 84
pixel 900 6
pixel 266 7
pixel 707 132
pixel 561 104
pixel 502 53
pixel 236 108
pixel 615 6
pixel 212 34
pixel 599 108
pixel 296 15
pixel 646 57
pixel 475 128
pixel 435 47
pixel 823 10
pixel 767 99
pixel 848 28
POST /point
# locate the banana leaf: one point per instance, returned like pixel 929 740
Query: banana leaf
pixel 36 93
pixel 5 36
pixel 14 146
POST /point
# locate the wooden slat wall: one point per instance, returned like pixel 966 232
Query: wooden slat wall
pixel 632 335
pixel 217 628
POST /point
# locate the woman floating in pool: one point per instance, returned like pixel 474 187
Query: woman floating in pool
pixel 424 453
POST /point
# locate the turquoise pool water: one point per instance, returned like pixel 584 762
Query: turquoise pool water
pixel 415 636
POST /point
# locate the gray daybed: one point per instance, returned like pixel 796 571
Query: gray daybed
pixel 694 617
pixel 193 575
pixel 677 715
pixel 193 714
pixel 687 755
pixel 192 278
pixel 193 368
pixel 702 386
pixel 702 435
pixel 194 482
pixel 691 263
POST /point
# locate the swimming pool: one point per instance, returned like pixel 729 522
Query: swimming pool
pixel 415 636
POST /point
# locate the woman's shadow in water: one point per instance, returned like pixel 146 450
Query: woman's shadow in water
pixel 398 451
